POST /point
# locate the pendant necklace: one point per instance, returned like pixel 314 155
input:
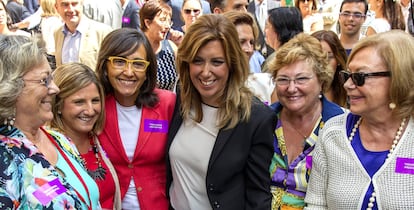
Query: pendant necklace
pixel 394 144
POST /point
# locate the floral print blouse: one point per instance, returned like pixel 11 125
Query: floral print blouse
pixel 27 179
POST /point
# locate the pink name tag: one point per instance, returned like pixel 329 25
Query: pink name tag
pixel 404 165
pixel 309 162
pixel 48 191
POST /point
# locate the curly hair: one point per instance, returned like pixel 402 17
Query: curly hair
pixel 307 48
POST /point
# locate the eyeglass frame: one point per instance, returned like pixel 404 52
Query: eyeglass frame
pixel 344 75
pixel 46 81
pixel 296 81
pixel 356 16
pixel 129 63
pixel 189 11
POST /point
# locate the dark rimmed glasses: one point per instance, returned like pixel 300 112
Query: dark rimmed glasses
pixel 358 78
pixel 194 11
pixel 46 81
pixel 121 63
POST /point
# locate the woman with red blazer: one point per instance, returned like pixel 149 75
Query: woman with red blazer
pixel 137 118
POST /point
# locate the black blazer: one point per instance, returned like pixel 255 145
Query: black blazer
pixel 238 171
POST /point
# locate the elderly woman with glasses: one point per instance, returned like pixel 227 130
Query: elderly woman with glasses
pixel 301 74
pixel 364 159
pixel 40 168
pixel 137 118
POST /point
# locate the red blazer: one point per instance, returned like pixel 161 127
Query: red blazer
pixel 148 165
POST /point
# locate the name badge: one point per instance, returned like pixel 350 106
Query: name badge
pixel 309 162
pixel 404 165
pixel 126 20
pixel 48 191
pixel 156 126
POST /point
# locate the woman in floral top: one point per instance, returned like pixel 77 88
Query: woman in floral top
pixel 39 169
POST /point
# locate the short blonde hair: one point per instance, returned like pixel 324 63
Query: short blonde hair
pixel 304 47
pixel 396 50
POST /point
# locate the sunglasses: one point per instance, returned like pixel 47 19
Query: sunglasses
pixel 189 11
pixel 358 78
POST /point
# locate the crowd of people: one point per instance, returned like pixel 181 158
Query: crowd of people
pixel 233 105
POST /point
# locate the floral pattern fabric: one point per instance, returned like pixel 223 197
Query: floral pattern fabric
pixel 27 179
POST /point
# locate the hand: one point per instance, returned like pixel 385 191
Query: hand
pixel 176 36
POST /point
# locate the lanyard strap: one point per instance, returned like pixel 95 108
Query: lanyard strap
pixel 73 169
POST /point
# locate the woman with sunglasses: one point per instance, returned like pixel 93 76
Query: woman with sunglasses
pixel 364 159
pixel 137 118
pixel 301 74
pixel 191 10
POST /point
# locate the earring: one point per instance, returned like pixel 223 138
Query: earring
pixel 320 96
pixel 9 122
pixel 392 105
pixel 59 112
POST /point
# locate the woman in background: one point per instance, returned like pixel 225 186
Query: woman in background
pixel 337 60
pixel 190 11
pixel 78 112
pixel 312 20
pixel 156 22
pixel 50 21
pixel 388 15
pixel 6 23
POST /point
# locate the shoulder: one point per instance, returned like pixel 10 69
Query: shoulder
pixel 63 141
pixel 166 97
pixel 164 94
pixel 261 111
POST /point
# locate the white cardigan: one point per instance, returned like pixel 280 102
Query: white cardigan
pixel 339 181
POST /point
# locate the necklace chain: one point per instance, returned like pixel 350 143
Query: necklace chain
pixel 394 144
pixel 314 120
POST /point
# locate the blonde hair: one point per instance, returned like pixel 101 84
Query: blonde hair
pixel 304 47
pixel 48 8
pixel 396 50
pixel 70 78
pixel 236 100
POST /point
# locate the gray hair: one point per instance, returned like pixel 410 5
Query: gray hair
pixel 18 55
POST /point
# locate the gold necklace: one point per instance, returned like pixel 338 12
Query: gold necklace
pixel 314 120
pixel 394 144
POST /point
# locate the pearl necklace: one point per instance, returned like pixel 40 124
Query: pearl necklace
pixel 394 144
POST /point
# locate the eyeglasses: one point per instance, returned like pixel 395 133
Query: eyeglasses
pixel 358 78
pixel 46 81
pixel 284 81
pixel 356 16
pixel 194 11
pixel 122 63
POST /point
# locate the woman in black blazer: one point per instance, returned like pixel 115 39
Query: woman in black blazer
pixel 220 142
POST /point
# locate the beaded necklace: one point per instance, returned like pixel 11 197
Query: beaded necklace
pixel 100 172
pixel 394 144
